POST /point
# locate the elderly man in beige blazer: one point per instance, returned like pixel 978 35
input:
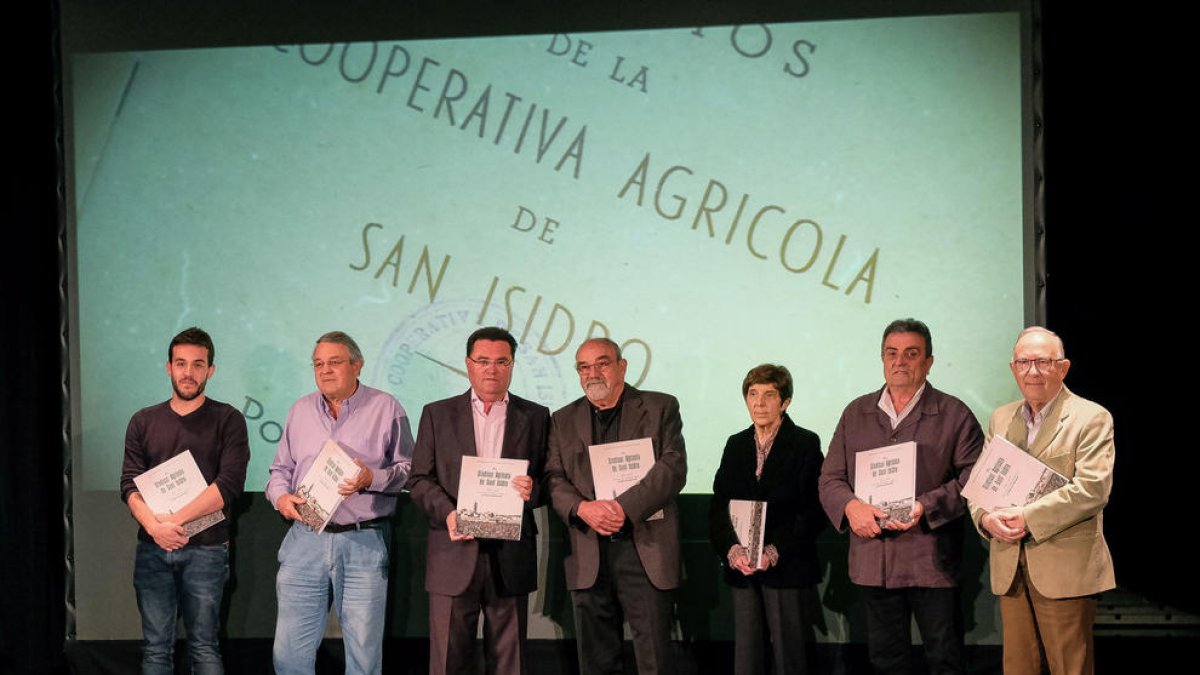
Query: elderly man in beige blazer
pixel 1049 558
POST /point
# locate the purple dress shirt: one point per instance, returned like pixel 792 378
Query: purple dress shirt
pixel 371 427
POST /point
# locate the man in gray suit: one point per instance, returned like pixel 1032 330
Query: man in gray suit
pixel 622 565
pixel 463 575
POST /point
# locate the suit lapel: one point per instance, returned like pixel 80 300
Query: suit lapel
pixel 1018 430
pixel 464 426
pixel 1053 423
pixel 514 428
pixel 772 468
pixel 582 420
pixel 632 412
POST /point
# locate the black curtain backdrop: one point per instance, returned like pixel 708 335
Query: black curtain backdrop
pixel 1117 291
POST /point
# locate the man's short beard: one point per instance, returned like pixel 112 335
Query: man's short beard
pixel 597 391
pixel 188 397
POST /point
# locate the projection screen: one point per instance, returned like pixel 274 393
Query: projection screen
pixel 709 197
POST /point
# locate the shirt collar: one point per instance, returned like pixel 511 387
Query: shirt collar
pixel 347 403
pixel 1032 420
pixel 889 409
pixel 477 402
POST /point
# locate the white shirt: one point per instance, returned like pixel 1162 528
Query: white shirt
pixel 886 405
pixel 489 426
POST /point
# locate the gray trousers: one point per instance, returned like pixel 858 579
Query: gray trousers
pixel 622 592
pixel 763 617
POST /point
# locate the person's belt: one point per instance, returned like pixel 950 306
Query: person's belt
pixel 360 525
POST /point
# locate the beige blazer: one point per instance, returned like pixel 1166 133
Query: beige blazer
pixel 1065 551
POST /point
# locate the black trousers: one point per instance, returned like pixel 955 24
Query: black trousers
pixel 622 592
pixel 889 637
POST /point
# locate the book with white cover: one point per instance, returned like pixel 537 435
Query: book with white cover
pixel 1006 476
pixel 174 484
pixel 489 507
pixel 749 519
pixel 319 487
pixel 887 479
pixel 616 467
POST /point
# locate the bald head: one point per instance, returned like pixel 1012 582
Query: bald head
pixel 1046 333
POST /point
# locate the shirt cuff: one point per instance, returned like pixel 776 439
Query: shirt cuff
pixel 771 553
pixel 735 552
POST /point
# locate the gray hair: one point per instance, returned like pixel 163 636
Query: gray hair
pixel 604 341
pixel 337 337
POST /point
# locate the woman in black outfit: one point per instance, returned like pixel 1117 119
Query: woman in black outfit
pixel 776 462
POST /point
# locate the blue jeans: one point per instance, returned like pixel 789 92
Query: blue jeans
pixel 346 569
pixel 188 582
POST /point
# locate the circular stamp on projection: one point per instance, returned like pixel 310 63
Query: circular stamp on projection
pixel 422 358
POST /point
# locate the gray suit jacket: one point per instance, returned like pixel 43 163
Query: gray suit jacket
pixel 569 479
pixel 1065 552
pixel 447 432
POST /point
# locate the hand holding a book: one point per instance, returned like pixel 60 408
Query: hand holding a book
pixel 864 518
pixel 1007 525
pixel 524 486
pixel 452 528
pixel 167 534
pixel 918 510
pixel 287 506
pixel 739 559
pixel 360 482
pixel 605 516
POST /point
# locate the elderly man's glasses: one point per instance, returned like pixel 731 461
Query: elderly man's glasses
pixel 1043 365
pixel 599 364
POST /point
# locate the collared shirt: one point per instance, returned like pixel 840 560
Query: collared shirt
pixel 489 425
pixel 889 408
pixel 1033 423
pixel 763 450
pixel 371 427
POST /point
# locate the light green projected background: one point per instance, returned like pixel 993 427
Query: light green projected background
pixel 712 199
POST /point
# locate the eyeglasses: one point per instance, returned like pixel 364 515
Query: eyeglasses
pixel 599 364
pixel 332 363
pixel 1043 365
pixel 485 363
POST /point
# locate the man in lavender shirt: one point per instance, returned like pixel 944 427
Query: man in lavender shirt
pixel 350 557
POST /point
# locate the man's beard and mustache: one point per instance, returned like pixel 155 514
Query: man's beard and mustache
pixel 596 389
pixel 188 396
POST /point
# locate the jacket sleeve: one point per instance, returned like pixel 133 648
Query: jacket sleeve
pixel 424 484
pixel 834 484
pixel 945 503
pixel 720 529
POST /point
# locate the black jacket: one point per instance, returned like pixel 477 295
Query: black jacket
pixel 789 486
